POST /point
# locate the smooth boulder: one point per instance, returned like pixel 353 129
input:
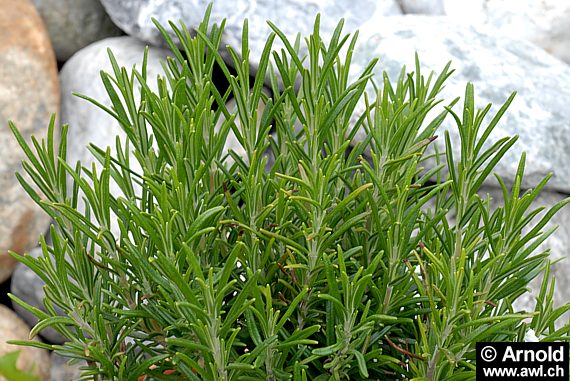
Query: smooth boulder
pixel 29 94
pixel 73 24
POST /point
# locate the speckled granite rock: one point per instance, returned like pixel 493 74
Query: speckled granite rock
pixel 545 23
pixel 497 66
pixel 29 94
pixel 292 16
pixel 13 328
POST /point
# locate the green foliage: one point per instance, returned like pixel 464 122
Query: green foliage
pixel 318 265
pixel 10 371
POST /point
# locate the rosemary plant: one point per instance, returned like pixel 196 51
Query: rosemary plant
pixel 336 260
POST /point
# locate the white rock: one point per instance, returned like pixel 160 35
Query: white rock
pixel 545 23
pixel 73 24
pixel 497 66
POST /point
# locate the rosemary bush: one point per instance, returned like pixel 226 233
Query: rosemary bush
pixel 318 265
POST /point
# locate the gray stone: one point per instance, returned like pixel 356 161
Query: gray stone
pixel 73 24
pixel 427 7
pixel 31 359
pixel 29 94
pixel 545 23
pixel 293 16
pixel 497 66
pixel 29 287
pixel 62 370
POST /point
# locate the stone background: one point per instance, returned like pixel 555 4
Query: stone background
pixel 50 48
